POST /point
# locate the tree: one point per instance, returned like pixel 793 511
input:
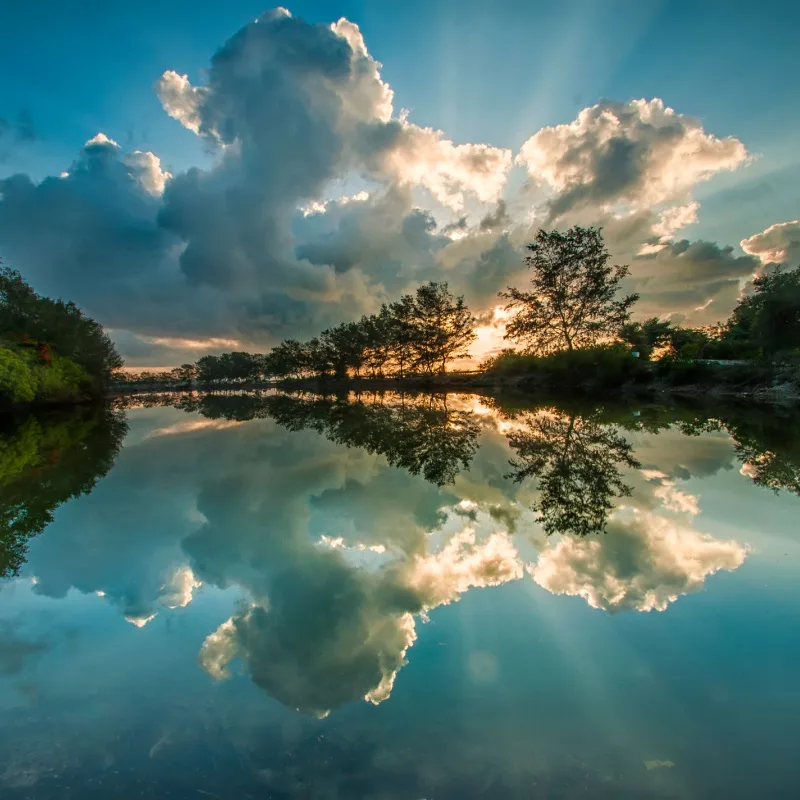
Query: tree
pixel 185 373
pixel 645 336
pixel 378 334
pixel 57 325
pixel 574 299
pixel 209 369
pixel 419 434
pixel 289 359
pixel 44 465
pixel 443 327
pixel 401 332
pixel 347 344
pixel 769 318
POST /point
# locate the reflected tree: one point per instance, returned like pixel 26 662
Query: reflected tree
pixel 419 433
pixel 576 461
pixel 45 461
pixel 766 442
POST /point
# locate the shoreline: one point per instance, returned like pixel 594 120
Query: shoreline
pixel 480 383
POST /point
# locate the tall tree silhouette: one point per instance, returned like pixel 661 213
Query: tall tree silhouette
pixel 573 302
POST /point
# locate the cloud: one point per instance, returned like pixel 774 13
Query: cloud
pixel 643 563
pixel 14 132
pixel 92 234
pixel 778 244
pixel 322 200
pixel 694 282
pixel 641 153
pixel 16 649
pixel 331 632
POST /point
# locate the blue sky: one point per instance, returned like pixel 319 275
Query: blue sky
pixel 492 73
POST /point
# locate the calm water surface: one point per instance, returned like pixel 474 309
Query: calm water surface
pixel 399 597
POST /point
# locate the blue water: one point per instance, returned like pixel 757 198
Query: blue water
pixel 209 618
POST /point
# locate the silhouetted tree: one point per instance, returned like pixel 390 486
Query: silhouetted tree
pixel 419 434
pixel 402 332
pixel 443 327
pixel 645 336
pixel 573 302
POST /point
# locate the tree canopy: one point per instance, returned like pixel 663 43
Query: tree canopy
pixel 29 318
pixel 419 333
pixel 573 302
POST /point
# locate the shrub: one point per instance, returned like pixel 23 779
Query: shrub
pixel 17 383
pixel 26 378
pixel 600 366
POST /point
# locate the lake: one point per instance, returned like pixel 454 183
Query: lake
pixel 399 596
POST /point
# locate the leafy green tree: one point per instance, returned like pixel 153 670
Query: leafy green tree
pixel 769 318
pixel 17 384
pixel 62 326
pixel 573 302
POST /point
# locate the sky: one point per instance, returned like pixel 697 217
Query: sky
pixel 205 177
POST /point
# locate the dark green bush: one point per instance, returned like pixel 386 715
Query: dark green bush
pixel 601 366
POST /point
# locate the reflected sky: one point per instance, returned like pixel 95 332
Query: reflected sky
pixel 330 597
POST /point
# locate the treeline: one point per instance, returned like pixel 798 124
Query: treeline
pixel 575 325
pixel 50 351
pixel 419 334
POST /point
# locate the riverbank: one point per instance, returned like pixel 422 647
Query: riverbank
pixel 716 383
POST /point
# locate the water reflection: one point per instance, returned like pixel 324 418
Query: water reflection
pixel 45 461
pixel 312 553
pixel 577 463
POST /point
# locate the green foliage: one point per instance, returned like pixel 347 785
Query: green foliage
pixel 25 378
pixel 62 326
pixel 574 299
pixel 602 366
pixel 768 320
pixel 17 384
pixel 44 461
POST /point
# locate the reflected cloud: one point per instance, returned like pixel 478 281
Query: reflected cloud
pixel 644 563
pixel 340 524
pixel 331 632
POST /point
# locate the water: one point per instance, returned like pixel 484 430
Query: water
pixel 206 617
